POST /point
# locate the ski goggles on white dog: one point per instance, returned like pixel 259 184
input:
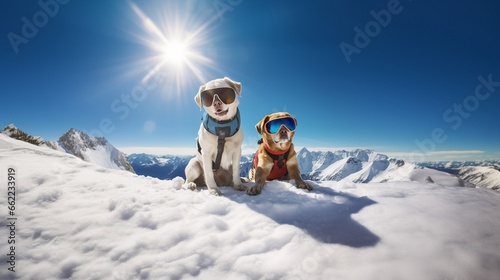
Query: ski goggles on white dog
pixel 226 95
pixel 274 126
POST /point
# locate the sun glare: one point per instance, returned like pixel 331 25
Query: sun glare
pixel 175 53
pixel 175 39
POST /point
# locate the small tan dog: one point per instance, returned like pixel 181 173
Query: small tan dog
pixel 276 157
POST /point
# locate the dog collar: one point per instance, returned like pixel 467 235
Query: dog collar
pixel 215 127
pixel 276 153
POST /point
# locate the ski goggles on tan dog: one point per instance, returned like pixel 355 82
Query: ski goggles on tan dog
pixel 226 95
pixel 274 126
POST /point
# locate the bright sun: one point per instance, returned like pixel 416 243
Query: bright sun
pixel 175 52
pixel 177 38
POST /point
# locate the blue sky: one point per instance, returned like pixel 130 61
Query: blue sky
pixel 415 79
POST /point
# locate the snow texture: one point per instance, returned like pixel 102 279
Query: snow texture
pixel 81 221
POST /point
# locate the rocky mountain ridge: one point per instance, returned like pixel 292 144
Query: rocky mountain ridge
pixel 88 148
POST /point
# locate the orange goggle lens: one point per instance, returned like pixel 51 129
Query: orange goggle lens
pixel 226 95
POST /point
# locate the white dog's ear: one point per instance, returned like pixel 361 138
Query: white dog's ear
pixel 197 98
pixel 260 125
pixel 235 85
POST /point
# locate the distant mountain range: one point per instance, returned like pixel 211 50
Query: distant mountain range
pixel 161 167
pixel 358 166
pixel 91 149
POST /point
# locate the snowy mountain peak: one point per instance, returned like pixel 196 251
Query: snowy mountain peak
pixel 77 141
pixel 92 149
pixel 303 150
pixel 352 160
pixel 10 127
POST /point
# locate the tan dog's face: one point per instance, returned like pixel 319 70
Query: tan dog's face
pixel 216 107
pixel 279 141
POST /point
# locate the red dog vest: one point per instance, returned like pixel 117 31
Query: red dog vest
pixel 279 168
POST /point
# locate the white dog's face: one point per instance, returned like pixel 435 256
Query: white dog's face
pixel 219 98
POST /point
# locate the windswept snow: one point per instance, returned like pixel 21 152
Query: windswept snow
pixel 81 221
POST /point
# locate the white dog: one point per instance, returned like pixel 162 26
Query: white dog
pixel 217 162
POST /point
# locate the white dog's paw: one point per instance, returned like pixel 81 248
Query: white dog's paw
pixel 215 191
pixel 190 186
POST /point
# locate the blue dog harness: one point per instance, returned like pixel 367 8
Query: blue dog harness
pixel 222 129
pixel 229 127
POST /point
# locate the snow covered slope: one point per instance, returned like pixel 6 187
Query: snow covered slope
pixel 81 221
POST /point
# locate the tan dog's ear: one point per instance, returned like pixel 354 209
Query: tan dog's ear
pixel 197 97
pixel 235 85
pixel 260 125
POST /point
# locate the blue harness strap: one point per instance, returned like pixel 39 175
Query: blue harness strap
pixel 214 126
pixel 222 129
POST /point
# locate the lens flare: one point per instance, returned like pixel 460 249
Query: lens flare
pixel 176 40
